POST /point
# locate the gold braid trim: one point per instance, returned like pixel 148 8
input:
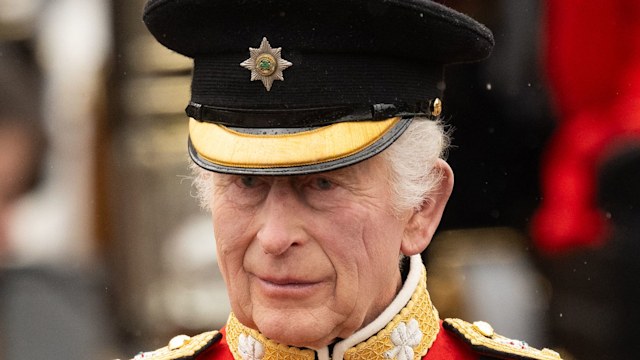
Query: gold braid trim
pixel 419 308
pixel 272 349
pixel 185 348
pixel 486 341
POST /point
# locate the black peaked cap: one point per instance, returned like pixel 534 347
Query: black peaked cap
pixel 350 60
pixel 390 48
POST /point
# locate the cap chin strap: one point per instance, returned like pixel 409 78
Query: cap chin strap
pixel 304 117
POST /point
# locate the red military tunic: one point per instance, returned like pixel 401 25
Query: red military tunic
pixel 408 329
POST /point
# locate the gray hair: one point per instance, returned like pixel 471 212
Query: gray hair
pixel 410 161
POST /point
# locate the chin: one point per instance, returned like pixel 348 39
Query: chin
pixel 300 329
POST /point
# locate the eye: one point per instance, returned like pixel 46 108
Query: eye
pixel 322 183
pixel 249 181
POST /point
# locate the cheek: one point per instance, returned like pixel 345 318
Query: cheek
pixel 363 246
pixel 364 234
pixel 359 243
pixel 232 236
pixel 341 234
pixel 369 244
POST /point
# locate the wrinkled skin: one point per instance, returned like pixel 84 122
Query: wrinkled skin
pixel 309 259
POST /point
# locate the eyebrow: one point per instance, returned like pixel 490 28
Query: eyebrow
pixel 347 174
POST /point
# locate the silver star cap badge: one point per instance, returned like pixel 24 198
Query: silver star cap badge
pixel 266 64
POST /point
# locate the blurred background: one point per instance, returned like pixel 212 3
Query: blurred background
pixel 104 251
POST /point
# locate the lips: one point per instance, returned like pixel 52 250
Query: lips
pixel 286 287
pixel 286 281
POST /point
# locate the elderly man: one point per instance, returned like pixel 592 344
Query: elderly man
pixel 315 128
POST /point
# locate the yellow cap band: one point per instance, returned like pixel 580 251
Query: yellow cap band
pixel 223 146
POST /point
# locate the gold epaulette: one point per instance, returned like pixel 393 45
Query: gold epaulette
pixel 182 347
pixel 483 340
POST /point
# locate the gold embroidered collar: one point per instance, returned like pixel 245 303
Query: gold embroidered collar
pixel 405 330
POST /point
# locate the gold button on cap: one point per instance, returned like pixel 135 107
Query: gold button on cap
pixel 435 106
pixel 483 328
pixel 178 341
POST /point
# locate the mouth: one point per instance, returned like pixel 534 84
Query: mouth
pixel 287 288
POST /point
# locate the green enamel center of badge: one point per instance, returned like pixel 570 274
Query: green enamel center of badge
pixel 266 64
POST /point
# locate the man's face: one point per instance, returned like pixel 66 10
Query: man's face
pixel 308 259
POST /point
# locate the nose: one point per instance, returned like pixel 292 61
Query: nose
pixel 281 226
